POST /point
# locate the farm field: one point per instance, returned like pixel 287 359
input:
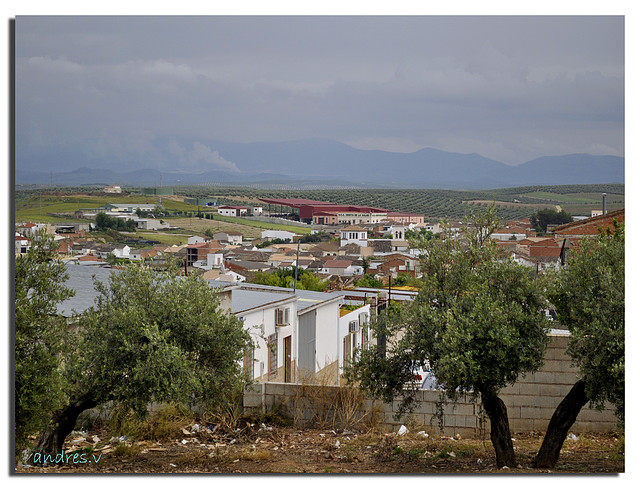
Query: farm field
pixel 511 203
pixel 520 202
pixel 200 225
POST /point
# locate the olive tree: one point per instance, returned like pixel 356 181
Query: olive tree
pixel 150 337
pixel 589 298
pixel 479 322
pixel 39 337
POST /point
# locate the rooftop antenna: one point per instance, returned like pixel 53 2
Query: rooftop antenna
pixel 604 203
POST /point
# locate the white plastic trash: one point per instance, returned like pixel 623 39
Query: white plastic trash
pixel 402 430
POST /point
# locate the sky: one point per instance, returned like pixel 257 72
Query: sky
pixel 510 88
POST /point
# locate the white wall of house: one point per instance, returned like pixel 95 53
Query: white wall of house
pixel 498 236
pixel 327 317
pixel 261 325
pixel 277 234
pixel 256 210
pixel 361 317
pixel 197 240
pixel 135 255
pixel 122 252
pixel 229 212
pixel 235 239
pixel 397 232
pixel 151 224
pixel 353 237
pixel 215 259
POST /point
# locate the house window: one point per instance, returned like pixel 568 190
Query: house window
pixel 248 362
pixel 347 350
pixel 272 345
pixel 282 316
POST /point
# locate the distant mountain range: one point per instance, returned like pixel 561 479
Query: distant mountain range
pixel 325 163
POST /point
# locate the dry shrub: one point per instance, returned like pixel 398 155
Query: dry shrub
pixel 349 408
pixel 255 455
pixel 386 449
pixel 202 460
pixel 373 418
pixel 127 451
pixel 164 422
pixel 320 404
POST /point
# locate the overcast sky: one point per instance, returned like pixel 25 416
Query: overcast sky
pixel 508 88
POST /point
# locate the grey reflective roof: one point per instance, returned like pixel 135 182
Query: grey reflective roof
pixel 242 300
pixel 257 297
pixel 81 280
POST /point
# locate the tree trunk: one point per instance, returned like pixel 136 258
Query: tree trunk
pixel 62 423
pixel 500 432
pixel 560 423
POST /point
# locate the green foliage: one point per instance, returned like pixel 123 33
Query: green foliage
pixel 308 238
pixel 406 279
pixel 542 218
pixel 104 222
pixel 419 233
pixel 40 337
pixel 369 281
pixel 478 321
pixel 285 277
pixel 274 241
pixel 158 337
pixel 589 298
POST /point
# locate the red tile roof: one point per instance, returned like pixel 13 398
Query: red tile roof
pixel 590 226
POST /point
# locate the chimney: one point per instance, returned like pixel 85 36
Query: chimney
pixel 604 203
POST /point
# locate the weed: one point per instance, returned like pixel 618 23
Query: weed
pixel 328 469
pixel 126 451
pixel 163 423
pixel 397 451
pixel 386 448
pixel 618 455
pixel 415 453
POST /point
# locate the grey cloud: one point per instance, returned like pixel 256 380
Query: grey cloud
pixel 505 87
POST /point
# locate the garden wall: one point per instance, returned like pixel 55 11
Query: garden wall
pixel 530 403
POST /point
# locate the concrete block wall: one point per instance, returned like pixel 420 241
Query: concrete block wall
pixel 530 403
pixel 532 400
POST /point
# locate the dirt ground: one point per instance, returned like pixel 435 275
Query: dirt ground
pixel 264 449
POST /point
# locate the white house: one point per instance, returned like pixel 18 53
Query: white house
pixel 353 333
pixel 122 252
pixel 151 224
pixel 22 243
pixel 233 210
pixel 397 232
pixel 214 260
pixel 277 234
pixel 232 237
pixel 198 239
pixel 295 335
pixel 341 267
pixel 353 235
pixel 256 210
